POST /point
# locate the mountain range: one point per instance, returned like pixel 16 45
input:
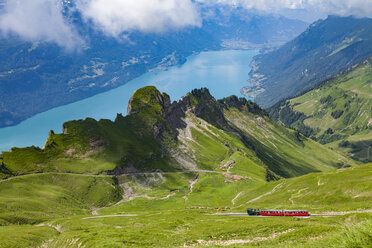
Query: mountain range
pixel 326 48
pixel 338 112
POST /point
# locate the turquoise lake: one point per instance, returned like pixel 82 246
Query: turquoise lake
pixel 224 73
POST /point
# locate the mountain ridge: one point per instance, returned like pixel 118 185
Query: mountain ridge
pixel 335 113
pixel 325 49
pixel 165 136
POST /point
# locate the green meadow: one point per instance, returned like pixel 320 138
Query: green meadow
pixel 164 211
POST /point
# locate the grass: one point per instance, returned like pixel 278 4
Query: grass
pixel 175 209
pixel 337 110
pixel 321 191
pixel 176 222
pixel 33 199
pixel 25 235
pixel 281 149
pixel 355 233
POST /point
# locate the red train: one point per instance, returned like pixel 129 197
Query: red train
pixel 271 212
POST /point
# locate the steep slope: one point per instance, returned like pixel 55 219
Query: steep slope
pixel 323 50
pixel 197 132
pixel 337 113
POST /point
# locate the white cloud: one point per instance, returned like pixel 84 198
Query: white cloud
pixel 117 16
pixel 359 8
pixel 38 20
pixel 43 20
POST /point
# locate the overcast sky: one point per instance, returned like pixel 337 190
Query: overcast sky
pixel 42 20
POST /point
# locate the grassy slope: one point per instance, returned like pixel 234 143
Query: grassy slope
pixel 349 96
pixel 321 191
pixel 169 214
pixel 34 198
pixel 174 221
pixel 273 143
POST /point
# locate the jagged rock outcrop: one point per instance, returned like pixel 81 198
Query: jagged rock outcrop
pixel 195 132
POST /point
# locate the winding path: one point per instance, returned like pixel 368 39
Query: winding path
pixel 123 174
pixel 236 197
pixel 191 188
pixel 268 193
pixel 109 216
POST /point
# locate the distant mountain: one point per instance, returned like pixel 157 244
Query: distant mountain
pixel 35 77
pixel 323 50
pixel 337 113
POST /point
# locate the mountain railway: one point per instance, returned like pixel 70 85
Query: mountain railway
pixel 272 212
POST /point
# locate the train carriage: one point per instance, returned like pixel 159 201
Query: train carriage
pixel 275 212
pixel 296 213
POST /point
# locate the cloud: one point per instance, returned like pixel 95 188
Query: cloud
pixel 38 20
pixel 117 16
pixel 358 8
pixel 43 20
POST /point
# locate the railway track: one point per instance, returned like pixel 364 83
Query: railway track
pixel 327 214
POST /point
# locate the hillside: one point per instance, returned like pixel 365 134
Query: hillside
pixel 177 210
pixel 337 113
pixel 197 132
pixel 326 48
pixel 45 76
pixel 158 176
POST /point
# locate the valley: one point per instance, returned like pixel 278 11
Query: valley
pixel 46 76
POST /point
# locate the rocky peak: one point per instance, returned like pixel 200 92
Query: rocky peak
pixel 148 98
pixel 233 101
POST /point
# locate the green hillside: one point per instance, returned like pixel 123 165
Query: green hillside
pixel 325 49
pixel 337 113
pixel 157 177
pixel 177 210
pixel 196 132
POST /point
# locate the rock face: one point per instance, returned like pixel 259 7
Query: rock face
pixel 148 101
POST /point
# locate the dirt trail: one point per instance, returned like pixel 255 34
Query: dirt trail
pixel 268 193
pixel 128 195
pixel 191 188
pixel 319 183
pixel 58 228
pixel 123 174
pixel 53 173
pixel 236 197
pixel 296 195
pixel 109 216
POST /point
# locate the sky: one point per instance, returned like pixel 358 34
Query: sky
pixel 43 20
